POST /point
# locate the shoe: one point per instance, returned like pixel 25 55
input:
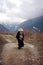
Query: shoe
pixel 19 47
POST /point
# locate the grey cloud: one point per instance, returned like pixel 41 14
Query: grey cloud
pixel 28 9
pixel 10 5
pixel 32 9
pixel 2 9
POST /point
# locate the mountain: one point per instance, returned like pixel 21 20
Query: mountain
pixel 33 24
pixel 10 26
pixel 3 29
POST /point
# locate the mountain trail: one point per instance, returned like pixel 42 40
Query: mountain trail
pixel 28 55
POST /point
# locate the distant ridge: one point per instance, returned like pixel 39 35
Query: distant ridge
pixel 3 29
pixel 33 24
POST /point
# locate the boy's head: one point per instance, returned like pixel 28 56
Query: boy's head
pixel 20 30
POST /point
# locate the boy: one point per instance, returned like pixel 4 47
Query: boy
pixel 20 38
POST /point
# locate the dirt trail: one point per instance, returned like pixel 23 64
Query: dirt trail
pixel 28 55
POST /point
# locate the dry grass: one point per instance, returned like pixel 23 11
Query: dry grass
pixel 2 40
pixel 36 39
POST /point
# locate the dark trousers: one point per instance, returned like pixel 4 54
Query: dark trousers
pixel 20 43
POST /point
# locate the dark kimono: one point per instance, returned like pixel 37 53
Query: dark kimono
pixel 20 38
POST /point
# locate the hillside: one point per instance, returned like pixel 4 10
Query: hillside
pixel 31 54
pixel 36 23
pixel 3 29
pixel 11 27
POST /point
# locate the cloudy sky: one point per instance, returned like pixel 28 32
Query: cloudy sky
pixel 20 10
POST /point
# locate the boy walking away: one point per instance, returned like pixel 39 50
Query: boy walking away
pixel 20 38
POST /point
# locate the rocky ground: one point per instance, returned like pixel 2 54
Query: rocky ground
pixel 28 55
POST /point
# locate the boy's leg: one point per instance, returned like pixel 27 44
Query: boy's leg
pixel 19 46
